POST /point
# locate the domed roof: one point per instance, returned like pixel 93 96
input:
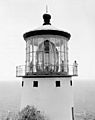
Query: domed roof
pixel 47 29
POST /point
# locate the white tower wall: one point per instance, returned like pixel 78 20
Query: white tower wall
pixel 55 102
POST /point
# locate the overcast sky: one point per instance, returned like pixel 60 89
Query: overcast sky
pixel 74 16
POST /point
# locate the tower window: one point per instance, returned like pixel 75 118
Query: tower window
pixel 35 83
pixel 71 82
pixel 57 83
pixel 22 83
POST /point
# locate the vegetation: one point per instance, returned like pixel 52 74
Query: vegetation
pixel 28 113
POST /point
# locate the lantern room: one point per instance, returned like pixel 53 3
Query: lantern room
pixel 46 51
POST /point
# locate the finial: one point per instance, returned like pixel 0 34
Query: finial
pixel 46 8
pixel 46 17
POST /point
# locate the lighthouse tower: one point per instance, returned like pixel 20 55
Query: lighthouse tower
pixel 47 75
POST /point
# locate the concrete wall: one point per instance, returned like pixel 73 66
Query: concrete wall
pixel 55 102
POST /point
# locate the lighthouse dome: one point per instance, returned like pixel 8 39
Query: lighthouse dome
pixel 47 29
pixel 46 49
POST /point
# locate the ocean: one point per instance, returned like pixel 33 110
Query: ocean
pixel 10 94
pixel 84 98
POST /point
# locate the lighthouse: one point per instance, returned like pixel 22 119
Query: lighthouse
pixel 47 75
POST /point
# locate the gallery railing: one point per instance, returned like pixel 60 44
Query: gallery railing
pixel 70 70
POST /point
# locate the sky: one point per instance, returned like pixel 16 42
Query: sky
pixel 74 16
